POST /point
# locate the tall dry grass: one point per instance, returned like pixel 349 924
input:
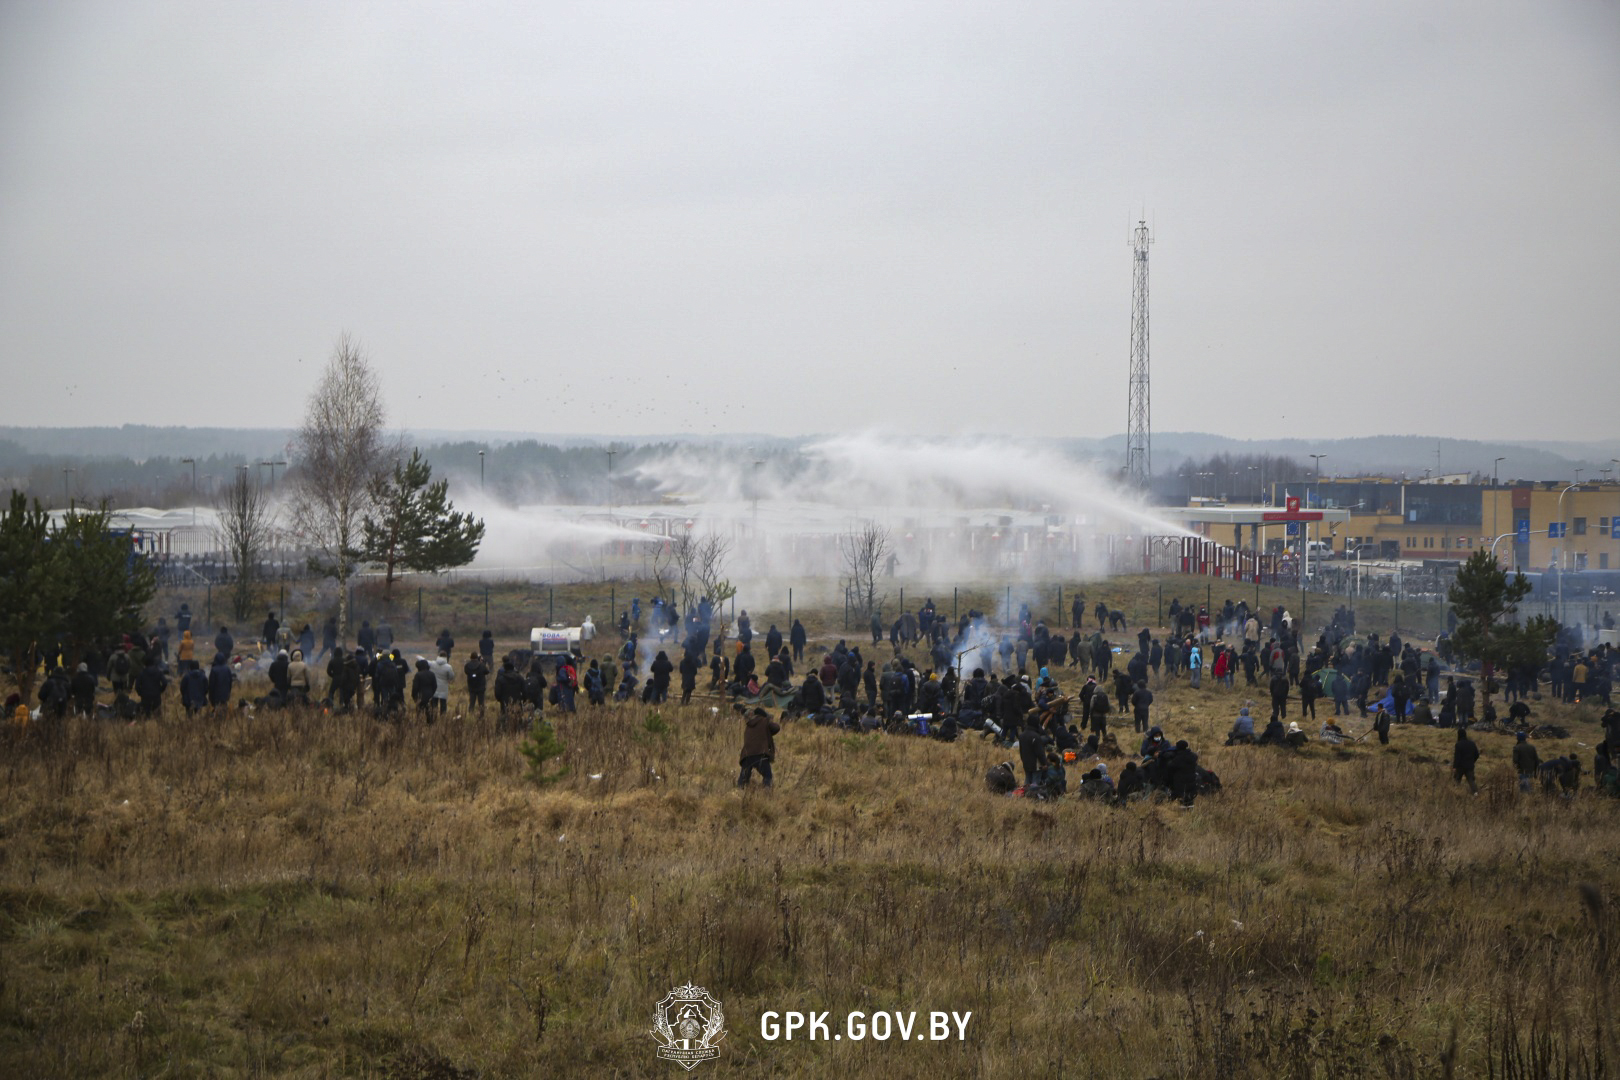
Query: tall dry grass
pixel 305 895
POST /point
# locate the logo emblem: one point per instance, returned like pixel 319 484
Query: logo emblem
pixel 688 1025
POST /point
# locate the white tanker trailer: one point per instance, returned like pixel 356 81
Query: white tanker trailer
pixel 560 640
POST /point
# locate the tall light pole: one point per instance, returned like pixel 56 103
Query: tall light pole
pixel 480 471
pixel 1495 499
pixel 1563 534
pixel 68 494
pixel 193 463
pixel 1318 459
pixel 610 453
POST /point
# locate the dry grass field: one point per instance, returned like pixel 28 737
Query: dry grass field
pixel 310 896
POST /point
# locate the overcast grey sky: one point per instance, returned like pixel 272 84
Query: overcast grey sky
pixel 627 218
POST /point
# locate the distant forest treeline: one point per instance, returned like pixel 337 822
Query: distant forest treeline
pixel 139 465
pixel 517 472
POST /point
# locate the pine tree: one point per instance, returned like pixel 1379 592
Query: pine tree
pixel 70 583
pixel 541 747
pixel 1485 603
pixel 31 587
pixel 415 526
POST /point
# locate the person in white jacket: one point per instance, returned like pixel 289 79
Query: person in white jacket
pixel 445 675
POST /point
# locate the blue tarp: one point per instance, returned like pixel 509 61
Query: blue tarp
pixel 1388 703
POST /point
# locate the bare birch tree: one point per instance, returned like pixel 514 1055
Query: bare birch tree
pixel 713 551
pixel 339 451
pixel 244 531
pixel 683 552
pixel 863 550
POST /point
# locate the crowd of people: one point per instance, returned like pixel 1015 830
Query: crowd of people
pixel 969 675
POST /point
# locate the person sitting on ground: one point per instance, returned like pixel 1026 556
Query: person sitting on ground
pixel 1152 742
pixel 1184 773
pixel 1422 713
pixel 1331 733
pixel 1273 735
pixel 1001 779
pixel 1242 733
pixel 1093 786
pixel 1131 784
pixel 1051 782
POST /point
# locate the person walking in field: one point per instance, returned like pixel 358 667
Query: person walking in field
pixel 1381 724
pixel 477 671
pixel 758 748
pixel 1526 762
pixel 220 681
pixel 689 674
pixel 1463 757
pixel 424 687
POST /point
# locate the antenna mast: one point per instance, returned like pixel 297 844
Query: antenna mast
pixel 1139 430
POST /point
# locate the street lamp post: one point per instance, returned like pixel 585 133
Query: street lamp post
pixel 480 470
pixel 610 454
pixel 1318 459
pixel 1494 496
pixel 66 492
pixel 1563 534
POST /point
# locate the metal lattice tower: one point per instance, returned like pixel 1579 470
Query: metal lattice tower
pixel 1139 429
